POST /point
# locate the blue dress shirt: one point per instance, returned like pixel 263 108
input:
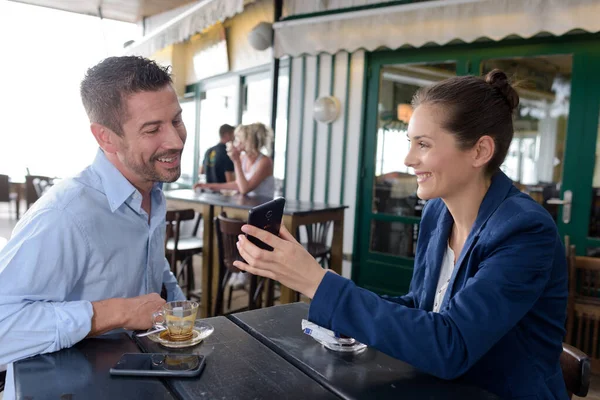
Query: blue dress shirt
pixel 501 321
pixel 86 239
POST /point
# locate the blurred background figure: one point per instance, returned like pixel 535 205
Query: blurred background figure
pixel 217 166
pixel 253 167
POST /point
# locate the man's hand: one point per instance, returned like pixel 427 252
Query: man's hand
pixel 140 310
pixel 133 313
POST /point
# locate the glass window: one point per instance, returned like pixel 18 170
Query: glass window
pixel 394 238
pixel 594 230
pixel 281 126
pixel 218 106
pixel 395 185
pixel 257 108
pixel 187 158
pixel 257 101
pixel 535 158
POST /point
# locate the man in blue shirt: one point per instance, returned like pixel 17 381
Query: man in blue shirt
pixel 88 257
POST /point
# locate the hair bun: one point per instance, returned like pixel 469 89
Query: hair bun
pixel 499 81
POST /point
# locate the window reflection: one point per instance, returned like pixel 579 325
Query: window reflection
pixel 187 158
pixel 594 230
pixel 535 158
pixel 217 107
pixel 395 184
pixel 257 108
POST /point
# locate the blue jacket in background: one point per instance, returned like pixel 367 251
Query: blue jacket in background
pixel 502 319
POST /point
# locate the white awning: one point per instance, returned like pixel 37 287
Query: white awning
pixel 440 22
pixel 199 17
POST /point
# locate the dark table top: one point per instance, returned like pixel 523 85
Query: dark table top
pixel 82 372
pixel 292 207
pixel 367 375
pixel 239 367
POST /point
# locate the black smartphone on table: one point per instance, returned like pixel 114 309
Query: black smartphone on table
pixel 159 364
pixel 266 216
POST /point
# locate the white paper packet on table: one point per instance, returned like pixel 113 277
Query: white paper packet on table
pixel 319 333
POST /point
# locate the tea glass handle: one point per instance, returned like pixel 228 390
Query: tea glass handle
pixel 159 320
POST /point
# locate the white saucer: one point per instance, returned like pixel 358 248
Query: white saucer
pixel 202 330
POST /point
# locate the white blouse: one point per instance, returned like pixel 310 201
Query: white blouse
pixel 444 279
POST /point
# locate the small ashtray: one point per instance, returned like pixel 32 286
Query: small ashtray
pixel 330 340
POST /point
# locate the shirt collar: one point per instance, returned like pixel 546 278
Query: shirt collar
pixel 116 187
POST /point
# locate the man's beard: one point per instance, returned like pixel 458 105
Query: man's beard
pixel 149 172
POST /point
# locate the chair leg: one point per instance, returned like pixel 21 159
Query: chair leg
pixel 191 284
pixel 252 292
pixel 230 297
pixel 221 291
pixel 181 277
pixel 258 293
pixel 270 293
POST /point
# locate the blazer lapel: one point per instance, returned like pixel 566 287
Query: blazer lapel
pixel 434 255
pixel 498 191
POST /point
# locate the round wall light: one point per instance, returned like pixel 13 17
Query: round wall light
pixel 261 36
pixel 326 109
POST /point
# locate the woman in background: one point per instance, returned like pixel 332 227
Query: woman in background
pixel 253 166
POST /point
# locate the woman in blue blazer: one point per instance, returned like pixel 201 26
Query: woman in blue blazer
pixel 487 302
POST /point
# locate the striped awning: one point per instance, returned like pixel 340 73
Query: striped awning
pixel 439 22
pixel 194 20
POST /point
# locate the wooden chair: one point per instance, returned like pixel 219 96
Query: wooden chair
pixel 575 365
pixel 316 244
pixel 181 249
pixel 227 230
pixel 5 194
pixel 35 185
pixel 583 306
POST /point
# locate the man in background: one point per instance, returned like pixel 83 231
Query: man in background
pixel 217 166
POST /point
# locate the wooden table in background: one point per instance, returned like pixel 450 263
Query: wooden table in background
pixel 295 214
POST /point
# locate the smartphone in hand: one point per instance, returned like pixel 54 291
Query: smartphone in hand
pixel 159 364
pixel 266 216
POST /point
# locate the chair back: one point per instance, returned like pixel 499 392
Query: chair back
pixel 576 368
pixel 317 233
pixel 584 276
pixel 4 189
pixel 317 241
pixel 174 223
pixel 583 305
pixel 228 230
pixel 35 185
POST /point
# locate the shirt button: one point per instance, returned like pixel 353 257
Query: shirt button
pixel 440 291
pixel 435 305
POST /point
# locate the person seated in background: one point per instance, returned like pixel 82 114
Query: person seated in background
pixel 487 301
pixel 253 166
pixel 217 166
pixel 88 257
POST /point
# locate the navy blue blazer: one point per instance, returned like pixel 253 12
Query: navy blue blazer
pixel 502 319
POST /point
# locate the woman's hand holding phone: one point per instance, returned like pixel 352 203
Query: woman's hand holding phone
pixel 288 263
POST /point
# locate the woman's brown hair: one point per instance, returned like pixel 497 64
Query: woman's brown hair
pixel 475 107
